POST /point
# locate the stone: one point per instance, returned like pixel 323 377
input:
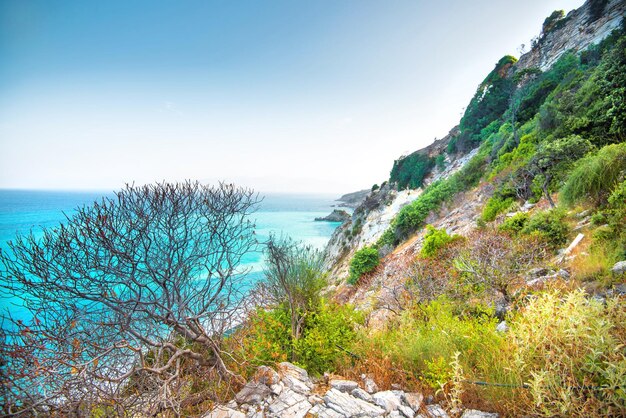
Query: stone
pixel 413 400
pixel 322 411
pixel 277 388
pixel 620 289
pixel 361 394
pixel 387 400
pixel 350 406
pixel 436 411
pixel 369 384
pixel 396 386
pixel 343 385
pixel 394 414
pixel 253 393
pixel 502 327
pixel 315 400
pixel 290 404
pixel 564 274
pixel 527 206
pixel 266 375
pixel 474 413
pixel 295 378
pixel 619 268
pixel 222 411
pixel 537 272
pixel 406 411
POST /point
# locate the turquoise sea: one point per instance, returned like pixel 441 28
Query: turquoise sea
pixel 292 214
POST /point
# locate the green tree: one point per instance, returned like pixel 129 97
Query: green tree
pixel 553 158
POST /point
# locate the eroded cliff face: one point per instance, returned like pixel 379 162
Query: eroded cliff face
pixel 587 25
pixel 580 28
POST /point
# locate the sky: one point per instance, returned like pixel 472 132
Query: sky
pixel 281 96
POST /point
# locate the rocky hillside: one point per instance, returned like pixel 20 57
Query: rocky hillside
pixel 589 24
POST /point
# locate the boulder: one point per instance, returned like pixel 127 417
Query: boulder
pixel 321 411
pixel 369 384
pixel 388 400
pixel 295 378
pixel 619 268
pixel 436 411
pixel 343 385
pixel 253 393
pixel 266 375
pixel 413 400
pixel 290 404
pixel 350 406
pixel 361 394
pixel 406 411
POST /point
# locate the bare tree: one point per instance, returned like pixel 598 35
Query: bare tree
pixel 497 261
pixel 121 295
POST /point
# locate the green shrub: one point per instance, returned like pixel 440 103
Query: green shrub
pixel 365 260
pixel 434 240
pixel 515 223
pixel 329 327
pixel 550 225
pixel 495 206
pixel 595 176
pixel 440 161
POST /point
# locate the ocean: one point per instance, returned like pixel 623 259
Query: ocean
pixel 289 214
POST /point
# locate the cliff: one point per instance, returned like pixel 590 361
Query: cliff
pixel 587 25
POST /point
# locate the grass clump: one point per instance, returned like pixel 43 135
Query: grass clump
pixel 364 261
pixel 596 176
pixel 515 223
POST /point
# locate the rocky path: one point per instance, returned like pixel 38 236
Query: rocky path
pixel 291 393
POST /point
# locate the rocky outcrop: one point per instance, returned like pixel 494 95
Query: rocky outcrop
pixel 289 392
pixel 587 25
pixel 336 215
pixel 353 200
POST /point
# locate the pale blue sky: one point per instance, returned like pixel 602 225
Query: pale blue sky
pixel 315 96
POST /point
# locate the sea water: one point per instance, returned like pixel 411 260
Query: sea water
pixel 22 211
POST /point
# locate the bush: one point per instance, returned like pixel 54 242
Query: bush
pixel 495 206
pixel 515 223
pixel 434 240
pixel 365 260
pixel 550 225
pixel 595 176
pixel 565 344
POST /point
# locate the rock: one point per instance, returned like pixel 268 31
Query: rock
pixel 277 388
pixel 266 375
pixel 361 394
pixel 537 272
pixel 336 215
pixel 295 378
pixel 387 400
pixel 396 386
pixel 473 413
pixel 369 384
pixel 315 400
pixel 502 327
pixel 343 385
pixel 406 411
pixel 350 406
pixel 527 206
pixel 222 411
pixel 414 400
pixel 429 400
pixel 620 289
pixel 290 404
pixel 253 393
pixel 564 274
pixel 619 268
pixel 394 414
pixel 232 404
pixel 322 411
pixel 436 411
